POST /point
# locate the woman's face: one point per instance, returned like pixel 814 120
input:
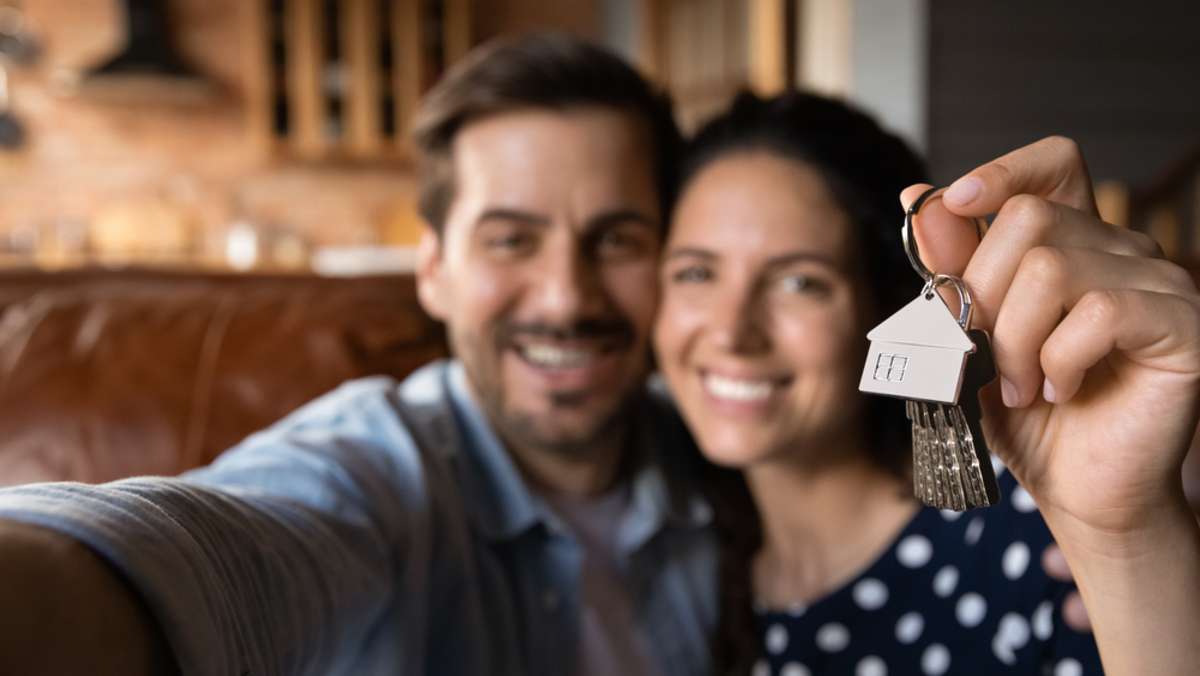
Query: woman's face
pixel 760 333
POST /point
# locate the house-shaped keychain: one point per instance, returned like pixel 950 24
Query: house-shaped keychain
pixel 918 353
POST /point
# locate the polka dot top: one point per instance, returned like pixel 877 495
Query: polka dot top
pixel 954 594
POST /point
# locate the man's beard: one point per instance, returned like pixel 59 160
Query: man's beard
pixel 538 431
pixel 523 429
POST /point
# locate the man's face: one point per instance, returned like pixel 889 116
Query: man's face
pixel 545 272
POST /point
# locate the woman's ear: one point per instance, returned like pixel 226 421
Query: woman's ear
pixel 430 279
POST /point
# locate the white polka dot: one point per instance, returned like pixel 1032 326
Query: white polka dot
pixel 797 609
pixel 909 627
pixel 1002 652
pixel 1011 636
pixel 833 637
pixel 870 594
pixel 777 639
pixel 1043 621
pixel 997 465
pixel 1022 500
pixel 871 665
pixel 794 669
pixel 974 531
pixel 1016 560
pixel 914 551
pixel 1015 628
pixel 1068 667
pixel 970 610
pixel 951 515
pixel 761 668
pixel 945 581
pixel 935 661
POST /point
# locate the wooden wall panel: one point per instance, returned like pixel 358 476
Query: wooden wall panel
pixel 1120 78
pixel 305 62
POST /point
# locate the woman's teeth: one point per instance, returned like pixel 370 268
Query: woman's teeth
pixel 549 356
pixel 736 389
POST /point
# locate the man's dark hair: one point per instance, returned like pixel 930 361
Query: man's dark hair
pixel 543 70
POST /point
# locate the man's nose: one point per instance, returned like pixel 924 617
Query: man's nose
pixel 568 286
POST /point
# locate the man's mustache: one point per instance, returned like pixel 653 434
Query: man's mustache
pixel 609 330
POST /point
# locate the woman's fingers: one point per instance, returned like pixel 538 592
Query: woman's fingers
pixel 945 241
pixel 950 244
pixel 1161 330
pixel 1052 168
pixel 1049 283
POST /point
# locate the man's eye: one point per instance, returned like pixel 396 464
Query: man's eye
pixel 615 243
pixel 693 274
pixel 508 242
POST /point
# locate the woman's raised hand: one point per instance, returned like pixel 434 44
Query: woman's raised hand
pixel 1096 338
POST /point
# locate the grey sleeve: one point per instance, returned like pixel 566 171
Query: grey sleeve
pixel 281 558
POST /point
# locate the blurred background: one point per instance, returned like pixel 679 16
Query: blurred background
pixel 268 135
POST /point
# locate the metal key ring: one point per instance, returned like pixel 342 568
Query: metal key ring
pixel 965 304
pixel 910 238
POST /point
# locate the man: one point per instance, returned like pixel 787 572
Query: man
pixel 506 513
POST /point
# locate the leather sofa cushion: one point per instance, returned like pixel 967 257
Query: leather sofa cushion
pixel 106 375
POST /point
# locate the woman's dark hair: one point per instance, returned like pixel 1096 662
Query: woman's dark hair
pixel 865 168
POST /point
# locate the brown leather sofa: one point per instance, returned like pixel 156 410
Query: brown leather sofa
pixel 108 374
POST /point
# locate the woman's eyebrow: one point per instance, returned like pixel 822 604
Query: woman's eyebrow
pixel 690 252
pixel 800 257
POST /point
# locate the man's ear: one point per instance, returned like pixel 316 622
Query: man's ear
pixel 430 278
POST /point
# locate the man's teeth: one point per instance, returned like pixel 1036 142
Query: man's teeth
pixel 550 356
pixel 737 389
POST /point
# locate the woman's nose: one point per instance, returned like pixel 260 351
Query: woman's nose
pixel 737 325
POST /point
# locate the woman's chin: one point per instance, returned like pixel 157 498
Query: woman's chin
pixel 731 451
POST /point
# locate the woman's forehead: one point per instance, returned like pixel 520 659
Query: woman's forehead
pixel 756 201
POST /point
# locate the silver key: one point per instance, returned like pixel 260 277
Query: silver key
pixel 952 467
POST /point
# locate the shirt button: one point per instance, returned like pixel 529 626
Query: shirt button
pixel 550 600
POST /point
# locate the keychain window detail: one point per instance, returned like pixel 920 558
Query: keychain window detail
pixel 890 367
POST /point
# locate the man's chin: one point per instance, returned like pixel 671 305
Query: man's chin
pixel 563 432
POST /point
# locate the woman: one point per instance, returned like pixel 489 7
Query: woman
pixel 784 251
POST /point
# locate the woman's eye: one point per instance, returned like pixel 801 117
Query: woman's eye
pixel 691 275
pixel 803 284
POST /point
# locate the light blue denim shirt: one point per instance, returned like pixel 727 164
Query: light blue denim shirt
pixel 383 529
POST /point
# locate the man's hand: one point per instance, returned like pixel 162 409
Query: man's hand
pixel 65 611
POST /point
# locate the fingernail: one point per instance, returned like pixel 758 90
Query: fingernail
pixel 1008 392
pixel 1048 392
pixel 963 191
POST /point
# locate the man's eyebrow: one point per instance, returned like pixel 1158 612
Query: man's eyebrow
pixel 618 216
pixel 513 215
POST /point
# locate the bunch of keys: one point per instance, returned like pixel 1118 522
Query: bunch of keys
pixel 937 364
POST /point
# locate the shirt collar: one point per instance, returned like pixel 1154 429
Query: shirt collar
pixel 505 508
